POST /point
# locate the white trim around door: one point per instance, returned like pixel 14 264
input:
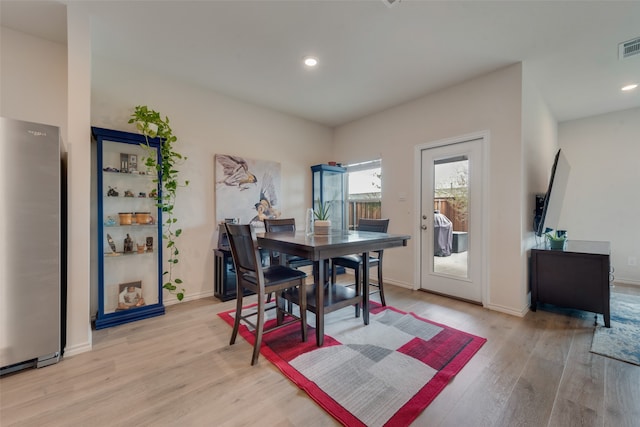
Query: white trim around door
pixel 471 283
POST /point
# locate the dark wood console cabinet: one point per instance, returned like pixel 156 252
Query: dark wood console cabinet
pixel 574 277
pixel 224 279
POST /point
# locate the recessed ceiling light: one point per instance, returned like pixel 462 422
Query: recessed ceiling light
pixel 630 87
pixel 310 61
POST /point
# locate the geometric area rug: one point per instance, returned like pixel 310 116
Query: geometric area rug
pixel 385 373
pixel 622 340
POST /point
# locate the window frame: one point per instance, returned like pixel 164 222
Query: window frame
pixel 351 205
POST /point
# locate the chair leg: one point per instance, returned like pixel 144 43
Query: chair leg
pixel 259 329
pixel 381 285
pixel 290 304
pixel 302 289
pixel 280 309
pixel 236 322
pixel 358 287
pixel 333 274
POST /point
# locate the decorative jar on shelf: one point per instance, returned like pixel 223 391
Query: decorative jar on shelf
pixel 143 218
pixel 125 218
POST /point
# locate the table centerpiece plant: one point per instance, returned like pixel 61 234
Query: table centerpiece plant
pixel 322 223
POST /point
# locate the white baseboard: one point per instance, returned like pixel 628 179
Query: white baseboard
pixel 625 281
pixel 495 307
pixel 396 283
pixel 507 310
pixel 77 349
pixel 171 300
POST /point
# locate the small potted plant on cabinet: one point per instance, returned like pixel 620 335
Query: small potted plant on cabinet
pixel 557 239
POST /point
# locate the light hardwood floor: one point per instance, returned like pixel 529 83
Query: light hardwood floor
pixel 179 370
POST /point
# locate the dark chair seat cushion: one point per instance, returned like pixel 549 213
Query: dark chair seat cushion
pixel 276 274
pixel 353 261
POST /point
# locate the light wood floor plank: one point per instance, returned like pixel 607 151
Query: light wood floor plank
pixel 580 399
pixel 622 394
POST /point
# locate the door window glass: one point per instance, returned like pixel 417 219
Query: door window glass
pixel 451 212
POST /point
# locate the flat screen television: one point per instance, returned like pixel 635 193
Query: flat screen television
pixel 554 197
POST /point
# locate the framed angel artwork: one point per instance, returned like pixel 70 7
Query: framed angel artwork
pixel 247 190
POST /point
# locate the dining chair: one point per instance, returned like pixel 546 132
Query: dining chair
pixel 354 262
pixel 252 276
pixel 285 225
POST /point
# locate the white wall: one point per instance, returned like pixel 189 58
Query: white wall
pixel 33 79
pixel 491 102
pixel 602 200
pixel 207 123
pixel 78 176
pixel 540 144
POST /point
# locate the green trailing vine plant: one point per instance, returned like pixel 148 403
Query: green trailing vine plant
pixel 151 124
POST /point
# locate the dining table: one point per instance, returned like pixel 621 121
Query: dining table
pixel 320 248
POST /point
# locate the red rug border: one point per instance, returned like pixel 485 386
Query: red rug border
pixel 408 412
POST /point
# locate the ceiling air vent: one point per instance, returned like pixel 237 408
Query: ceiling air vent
pixel 629 48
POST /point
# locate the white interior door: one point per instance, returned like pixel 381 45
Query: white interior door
pixel 451 219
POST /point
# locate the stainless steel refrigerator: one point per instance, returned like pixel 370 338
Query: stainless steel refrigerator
pixel 30 245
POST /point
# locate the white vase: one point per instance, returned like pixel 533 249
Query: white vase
pixel 309 222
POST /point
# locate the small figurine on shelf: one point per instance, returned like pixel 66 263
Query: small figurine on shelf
pixel 128 193
pixel 112 245
pixel 128 244
pixel 124 163
pixel 133 163
pixel 110 222
pixel 149 244
pixel 142 194
pixel 153 193
pixel 113 192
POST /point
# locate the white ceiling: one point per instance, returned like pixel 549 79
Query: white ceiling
pixel 372 56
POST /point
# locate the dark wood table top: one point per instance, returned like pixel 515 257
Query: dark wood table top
pixel 322 247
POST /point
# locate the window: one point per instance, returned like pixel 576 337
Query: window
pixel 364 191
